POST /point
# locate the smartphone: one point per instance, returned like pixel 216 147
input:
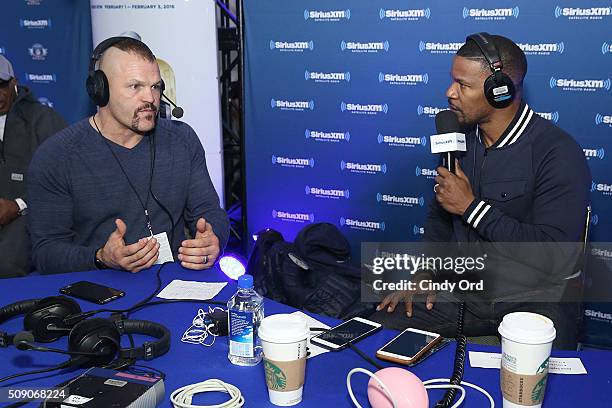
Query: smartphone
pixel 409 346
pixel 352 331
pixel 92 292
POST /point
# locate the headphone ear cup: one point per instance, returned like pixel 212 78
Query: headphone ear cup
pixel 97 88
pixel 499 90
pixel 49 311
pixel 95 336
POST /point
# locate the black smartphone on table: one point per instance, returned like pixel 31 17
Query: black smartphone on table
pixel 337 338
pixel 92 292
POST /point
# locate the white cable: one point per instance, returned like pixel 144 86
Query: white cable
pixel 372 375
pixel 182 397
pixel 467 384
pixel 199 331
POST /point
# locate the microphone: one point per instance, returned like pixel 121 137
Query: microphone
pixel 24 341
pixel 177 112
pixel 449 139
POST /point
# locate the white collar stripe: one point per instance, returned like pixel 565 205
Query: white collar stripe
pixel 520 132
pixel 516 126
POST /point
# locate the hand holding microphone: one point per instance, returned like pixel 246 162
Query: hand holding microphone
pixel 453 189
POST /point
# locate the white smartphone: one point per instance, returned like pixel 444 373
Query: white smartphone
pixel 352 331
pixel 409 346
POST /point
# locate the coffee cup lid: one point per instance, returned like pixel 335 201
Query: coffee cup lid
pixel 527 328
pixel 283 328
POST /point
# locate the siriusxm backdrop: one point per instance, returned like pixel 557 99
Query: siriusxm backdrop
pixel 341 95
pixel 49 43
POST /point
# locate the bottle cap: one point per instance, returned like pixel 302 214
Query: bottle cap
pixel 245 282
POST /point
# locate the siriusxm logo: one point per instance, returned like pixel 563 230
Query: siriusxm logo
pixel 583 85
pixel 605 189
pixel 327 136
pixel 606 48
pixel 33 2
pixel 364 46
pixel 2 50
pixel 292 105
pixel 38 52
pixel 402 141
pixel 552 116
pixel 321 192
pixel 41 23
pixel 596 314
pixel 296 46
pixel 364 168
pixel 330 77
pixel 602 253
pixel 542 48
pixel 293 162
pixel 403 79
pixel 328 16
pixel 40 78
pixel 429 173
pixel 364 109
pixel 594 219
pixel 599 153
pixel 578 13
pixel 405 15
pixel 490 14
pixel 45 101
pixel 293 217
pixel 416 230
pixel 400 200
pixel 603 119
pixel 362 224
pixel 430 111
pixel 439 48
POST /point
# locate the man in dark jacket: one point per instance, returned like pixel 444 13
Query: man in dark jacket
pixel 520 191
pixel 24 124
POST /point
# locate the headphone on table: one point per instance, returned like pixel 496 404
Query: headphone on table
pixel 498 87
pixel 96 341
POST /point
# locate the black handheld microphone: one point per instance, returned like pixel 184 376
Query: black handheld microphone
pixel 177 112
pixel 449 139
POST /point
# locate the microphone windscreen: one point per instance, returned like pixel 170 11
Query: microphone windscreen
pixel 22 340
pixel 447 122
pixel 177 112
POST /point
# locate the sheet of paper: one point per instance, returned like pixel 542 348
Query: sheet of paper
pixel 165 253
pixel 180 289
pixel 313 349
pixel 556 365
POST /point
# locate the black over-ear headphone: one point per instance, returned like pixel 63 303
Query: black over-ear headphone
pixel 96 341
pixel 498 87
pixel 97 82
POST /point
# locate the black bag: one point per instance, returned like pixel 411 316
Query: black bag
pixel 314 273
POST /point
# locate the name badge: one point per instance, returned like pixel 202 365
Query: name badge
pixel 16 177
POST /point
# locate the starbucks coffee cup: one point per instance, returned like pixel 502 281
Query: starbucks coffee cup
pixel 526 345
pixel 283 338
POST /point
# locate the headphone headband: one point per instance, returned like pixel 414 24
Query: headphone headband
pixel 148 350
pixel 487 47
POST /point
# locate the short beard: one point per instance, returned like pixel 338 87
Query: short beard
pixel 136 118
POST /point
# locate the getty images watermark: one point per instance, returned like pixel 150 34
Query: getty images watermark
pixel 475 271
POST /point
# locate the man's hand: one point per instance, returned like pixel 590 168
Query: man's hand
pixel 202 251
pixel 134 257
pixel 390 301
pixel 9 210
pixel 453 191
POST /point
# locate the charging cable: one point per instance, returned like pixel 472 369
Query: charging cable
pixel 429 384
pixel 200 328
pixel 182 397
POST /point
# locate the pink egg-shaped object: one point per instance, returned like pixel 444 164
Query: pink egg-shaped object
pixel 407 389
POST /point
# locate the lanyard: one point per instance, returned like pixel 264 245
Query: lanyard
pixel 144 205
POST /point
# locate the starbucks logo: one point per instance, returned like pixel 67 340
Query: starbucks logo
pixel 275 377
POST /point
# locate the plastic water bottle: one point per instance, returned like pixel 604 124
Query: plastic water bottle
pixel 245 313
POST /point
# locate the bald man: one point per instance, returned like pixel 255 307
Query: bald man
pixel 117 189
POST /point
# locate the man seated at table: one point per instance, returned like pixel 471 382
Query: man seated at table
pixel 522 180
pixel 116 190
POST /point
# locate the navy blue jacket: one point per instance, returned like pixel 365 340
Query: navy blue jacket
pixel 531 186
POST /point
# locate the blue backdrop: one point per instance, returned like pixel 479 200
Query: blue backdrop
pixel 340 98
pixel 49 43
